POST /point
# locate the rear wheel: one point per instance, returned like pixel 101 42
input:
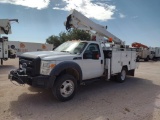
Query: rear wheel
pixel 5 59
pixel 1 61
pixel 147 58
pixel 64 88
pixel 138 58
pixel 121 77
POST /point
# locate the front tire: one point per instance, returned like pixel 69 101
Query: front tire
pixel 121 77
pixel 64 88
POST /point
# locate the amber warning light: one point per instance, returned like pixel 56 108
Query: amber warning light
pixel 110 40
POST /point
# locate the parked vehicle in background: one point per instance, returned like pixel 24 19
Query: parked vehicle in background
pixel 12 49
pixel 143 52
pixel 21 47
pixel 5 28
pixel 157 52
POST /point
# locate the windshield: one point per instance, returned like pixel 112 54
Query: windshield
pixel 138 49
pixel 72 47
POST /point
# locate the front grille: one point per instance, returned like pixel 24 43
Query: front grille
pixel 31 65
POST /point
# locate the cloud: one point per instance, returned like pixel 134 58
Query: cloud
pixel 121 15
pixel 91 9
pixel 38 4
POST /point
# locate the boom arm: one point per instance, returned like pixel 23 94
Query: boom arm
pixel 5 26
pixel 139 45
pixel 78 21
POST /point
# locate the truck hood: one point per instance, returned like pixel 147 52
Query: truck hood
pixel 49 55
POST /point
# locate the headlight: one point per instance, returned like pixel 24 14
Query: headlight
pixel 48 64
pixel 46 67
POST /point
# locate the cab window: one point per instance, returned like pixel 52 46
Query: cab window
pixel 92 52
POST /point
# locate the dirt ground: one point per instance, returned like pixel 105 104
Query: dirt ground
pixel 136 99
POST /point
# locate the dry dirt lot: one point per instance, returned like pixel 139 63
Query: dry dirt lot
pixel 136 99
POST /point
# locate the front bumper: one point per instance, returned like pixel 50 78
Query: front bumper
pixel 38 81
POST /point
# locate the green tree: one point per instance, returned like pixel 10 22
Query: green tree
pixel 79 34
pixel 65 36
pixel 53 40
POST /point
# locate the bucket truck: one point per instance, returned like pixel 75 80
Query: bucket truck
pixel 5 28
pixel 143 52
pixel 76 62
pixel 157 52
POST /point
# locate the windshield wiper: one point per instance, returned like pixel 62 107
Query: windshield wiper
pixel 65 51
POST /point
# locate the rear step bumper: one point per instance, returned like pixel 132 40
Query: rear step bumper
pixel 38 81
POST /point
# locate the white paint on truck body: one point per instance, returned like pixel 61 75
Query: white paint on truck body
pixel 157 52
pixel 133 63
pixel 4 49
pixel 1 53
pixel 5 23
pixel 122 58
pixel 154 52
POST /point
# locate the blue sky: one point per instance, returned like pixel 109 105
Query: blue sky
pixel 130 20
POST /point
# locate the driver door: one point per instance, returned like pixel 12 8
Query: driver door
pixel 92 62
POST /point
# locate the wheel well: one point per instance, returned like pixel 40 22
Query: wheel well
pixel 126 67
pixel 71 71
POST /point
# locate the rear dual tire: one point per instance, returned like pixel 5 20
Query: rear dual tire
pixel 147 59
pixel 138 59
pixel 121 77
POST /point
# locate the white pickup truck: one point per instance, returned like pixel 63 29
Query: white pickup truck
pixel 71 64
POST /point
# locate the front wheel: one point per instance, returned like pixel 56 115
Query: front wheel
pixel 64 88
pixel 121 77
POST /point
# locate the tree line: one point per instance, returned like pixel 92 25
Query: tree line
pixel 65 36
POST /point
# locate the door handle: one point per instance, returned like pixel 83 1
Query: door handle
pixel 101 61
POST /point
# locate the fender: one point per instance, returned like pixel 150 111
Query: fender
pixel 64 65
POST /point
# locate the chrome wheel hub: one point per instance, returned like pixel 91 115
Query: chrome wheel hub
pixel 123 75
pixel 67 88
